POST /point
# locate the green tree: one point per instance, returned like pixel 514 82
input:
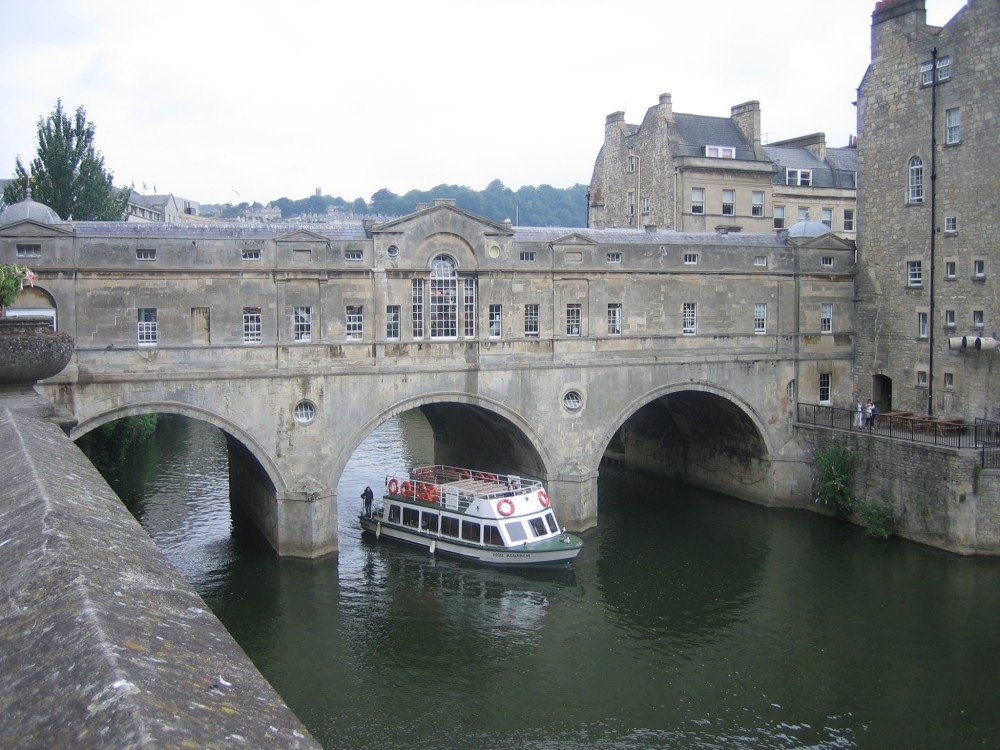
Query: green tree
pixel 68 173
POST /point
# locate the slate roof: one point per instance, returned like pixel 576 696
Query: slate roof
pixel 838 171
pixel 345 230
pixel 694 132
pixel 647 237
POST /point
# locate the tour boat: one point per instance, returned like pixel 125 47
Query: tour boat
pixel 496 519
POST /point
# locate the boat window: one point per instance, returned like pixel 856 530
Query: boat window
pixel 551 521
pixel 515 531
pixel 470 531
pixel 430 522
pixel 411 517
pixel 537 526
pixel 394 513
pixel 491 535
pixel 449 526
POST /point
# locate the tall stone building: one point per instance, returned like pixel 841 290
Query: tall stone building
pixel 928 109
pixel 697 173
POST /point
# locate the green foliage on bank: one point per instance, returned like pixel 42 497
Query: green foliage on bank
pixel 112 442
pixel 834 466
pixel 878 517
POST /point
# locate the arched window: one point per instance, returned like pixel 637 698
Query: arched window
pixel 444 298
pixel 916 180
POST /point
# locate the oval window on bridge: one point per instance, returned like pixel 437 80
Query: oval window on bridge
pixel 573 400
pixel 305 412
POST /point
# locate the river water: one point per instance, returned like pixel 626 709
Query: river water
pixel 690 620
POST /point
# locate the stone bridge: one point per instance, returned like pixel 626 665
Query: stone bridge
pixel 539 351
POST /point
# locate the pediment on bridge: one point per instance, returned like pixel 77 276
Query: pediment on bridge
pixel 574 238
pixel 444 217
pixel 35 230
pixel 301 235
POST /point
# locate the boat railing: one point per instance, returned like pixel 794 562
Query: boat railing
pixel 457 488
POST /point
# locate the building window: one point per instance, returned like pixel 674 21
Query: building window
pixel 953 126
pixel 979 269
pixel 630 206
pixel 392 322
pixel 496 321
pixel 615 319
pixel 417 307
pixel 978 319
pixel 633 163
pixel 353 255
pixel 355 323
pixel 951 224
pixel 848 219
pixel 826 215
pixel 645 205
pixel 573 319
pixel 691 259
pixel 728 202
pixel 444 298
pixel 949 318
pixel 573 401
pixel 922 378
pixel 760 317
pixel 250 254
pixel 779 217
pixel 721 152
pixel 949 381
pixel 531 320
pixel 914 273
pixel 147 333
pixel 697 200
pixel 800 177
pixel 29 251
pixel 824 387
pixel 392 251
pixel 614 257
pixel 303 324
pixel 927 73
pixel 944 69
pixel 689 324
pixel 826 261
pixel 757 203
pixel 921 325
pixel 304 412
pixel 469 308
pixel 760 260
pixel 949 269
pixel 527 256
pixel 803 213
pixel 145 253
pixel 826 317
pixel 251 325
pixel 915 180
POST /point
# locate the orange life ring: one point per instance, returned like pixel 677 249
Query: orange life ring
pixel 505 507
pixel 465 474
pixel 479 475
pixel 432 494
pixel 543 498
pixel 405 489
pixel 490 478
pixel 393 486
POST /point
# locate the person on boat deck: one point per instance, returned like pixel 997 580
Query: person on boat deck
pixel 368 496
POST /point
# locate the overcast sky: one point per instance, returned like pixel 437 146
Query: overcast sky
pixel 230 101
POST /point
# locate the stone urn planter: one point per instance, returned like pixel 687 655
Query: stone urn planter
pixel 30 351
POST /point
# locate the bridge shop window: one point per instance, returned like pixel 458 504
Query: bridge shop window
pixel 392 316
pixel 689 323
pixel 527 256
pixel 614 257
pixel 251 325
pixel 614 318
pixel 250 253
pixel 304 412
pixel 355 323
pixel 690 259
pixel 29 251
pixel 469 308
pixel 826 317
pixel 824 387
pixel 760 317
pixel 145 253
pixel 443 299
pixel 302 324
pixel 574 315
pixel 353 255
pixel 147 332
pixel 417 303
pixel 531 321
pixel 496 321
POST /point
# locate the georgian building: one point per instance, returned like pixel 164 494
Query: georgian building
pixel 697 173
pixel 928 307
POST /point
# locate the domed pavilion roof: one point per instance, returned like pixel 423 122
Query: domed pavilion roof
pixel 29 210
pixel 808 228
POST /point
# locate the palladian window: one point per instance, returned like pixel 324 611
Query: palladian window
pixel 916 180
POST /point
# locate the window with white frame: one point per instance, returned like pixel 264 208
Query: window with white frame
pixel 145 253
pixel 393 313
pixel 614 318
pixel 760 317
pixel 826 216
pixel 354 255
pixel 803 213
pixel 944 68
pixel 691 259
pixel 147 332
pixel 29 251
pixel 951 224
pixel 728 202
pixel 496 321
pixel 978 319
pixel 949 318
pixel 779 217
pixel 574 315
pixel 303 324
pixel 252 326
pixel 444 298
pixel 614 257
pixel 531 320
pixel 914 273
pixel 825 380
pixel 922 378
pixel 800 177
pixel 927 73
pixel 826 317
pixel 760 260
pixel 645 205
pixel 950 269
pixel 915 180
pixel 250 253
pixel 826 261
pixel 469 308
pixel 721 152
pixel 979 269
pixel 921 325
pixel 848 219
pixel 953 125
pixel 355 322
pixel 697 200
pixel 417 307
pixel 689 322
pixel 757 203
pixel 527 256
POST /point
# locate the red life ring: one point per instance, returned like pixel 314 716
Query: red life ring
pixel 405 489
pixel 393 486
pixel 490 478
pixel 465 474
pixel 431 494
pixel 543 498
pixel 505 507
